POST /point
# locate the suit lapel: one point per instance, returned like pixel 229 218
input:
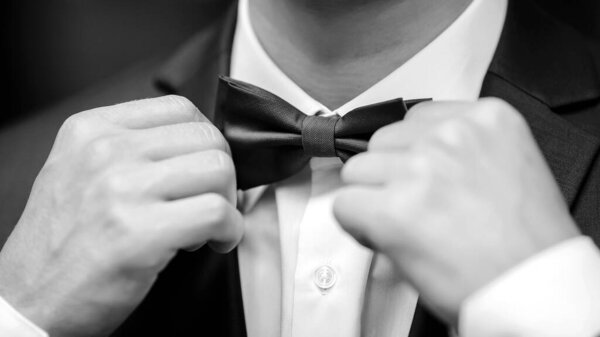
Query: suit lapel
pixel 544 69
pixel 568 150
pixel 194 70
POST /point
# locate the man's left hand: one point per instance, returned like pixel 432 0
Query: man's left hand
pixel 456 194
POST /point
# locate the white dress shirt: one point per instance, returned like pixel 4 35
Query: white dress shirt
pixel 279 260
pixel 302 276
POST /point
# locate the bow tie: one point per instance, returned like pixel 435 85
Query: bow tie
pixel 271 140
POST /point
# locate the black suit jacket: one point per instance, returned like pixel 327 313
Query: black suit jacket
pixel 545 69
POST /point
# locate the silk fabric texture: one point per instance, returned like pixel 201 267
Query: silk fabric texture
pixel 271 140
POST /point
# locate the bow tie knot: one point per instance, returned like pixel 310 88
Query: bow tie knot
pixel 318 136
pixel 271 140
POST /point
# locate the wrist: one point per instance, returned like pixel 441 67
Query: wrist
pixel 20 302
pixel 13 323
pixel 504 255
pixel 525 246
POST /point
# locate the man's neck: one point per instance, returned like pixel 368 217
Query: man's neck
pixel 336 49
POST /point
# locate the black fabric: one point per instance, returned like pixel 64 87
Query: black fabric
pixel 271 140
pixel 537 65
pixel 318 136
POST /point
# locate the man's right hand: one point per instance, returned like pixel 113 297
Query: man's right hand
pixel 124 188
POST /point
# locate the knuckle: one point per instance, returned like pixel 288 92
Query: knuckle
pixel 102 146
pixel 77 126
pixel 345 209
pixel 51 167
pixel 120 220
pixel 494 103
pixel 343 203
pixel 383 137
pixel 515 120
pixel 360 165
pixel 72 121
pixel 498 115
pixel 389 221
pixel 417 110
pixel 424 170
pixel 116 185
pixel 349 169
pixel 100 151
pixel 124 143
pixel 454 133
pixel 398 212
pixel 376 138
pixel 422 164
pixel 493 111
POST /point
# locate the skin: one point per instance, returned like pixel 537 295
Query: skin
pixel 125 187
pixel 455 195
pixel 336 49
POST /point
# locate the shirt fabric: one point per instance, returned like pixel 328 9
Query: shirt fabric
pixel 553 294
pixel 13 324
pixel 291 235
pixel 303 276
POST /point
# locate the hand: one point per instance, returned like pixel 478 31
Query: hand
pixel 455 195
pixel 124 188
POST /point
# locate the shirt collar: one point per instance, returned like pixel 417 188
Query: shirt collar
pixel 451 67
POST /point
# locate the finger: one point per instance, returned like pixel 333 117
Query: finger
pixel 378 167
pixel 178 139
pixel 429 111
pixel 420 122
pixel 356 210
pixel 152 112
pixel 192 222
pixel 193 174
pixel 397 136
pixel 378 217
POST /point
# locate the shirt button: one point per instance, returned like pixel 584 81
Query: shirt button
pixel 325 277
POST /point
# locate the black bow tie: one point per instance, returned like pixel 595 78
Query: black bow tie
pixel 271 140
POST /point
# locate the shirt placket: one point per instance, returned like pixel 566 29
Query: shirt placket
pixel 331 269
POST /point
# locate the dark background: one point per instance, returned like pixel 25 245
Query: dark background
pixel 56 48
